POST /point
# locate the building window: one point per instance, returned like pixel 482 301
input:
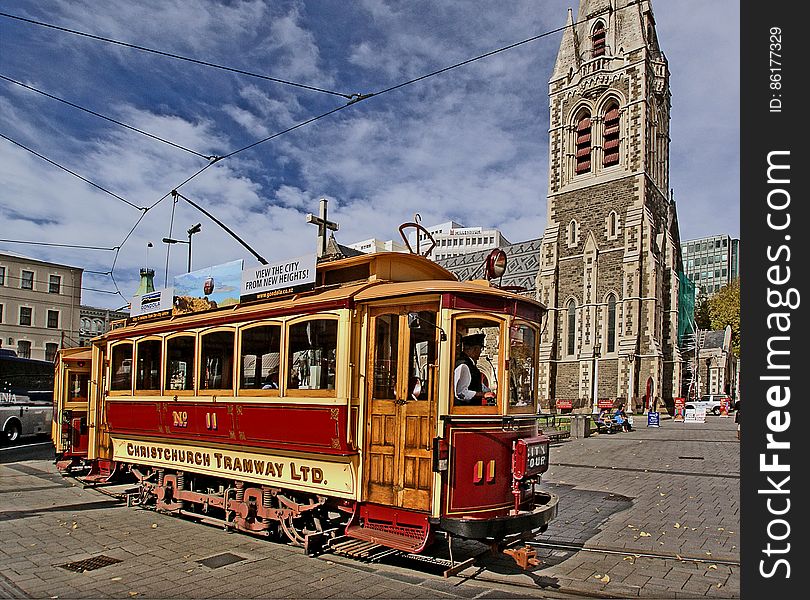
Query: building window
pixel 1 317
pixel 55 284
pixel 611 324
pixel 27 280
pixel 612 223
pixel 583 144
pixel 25 315
pixel 598 39
pixel 50 351
pixel 572 328
pixel 2 276
pixel 572 234
pixel 53 319
pixel 611 137
pixel 24 349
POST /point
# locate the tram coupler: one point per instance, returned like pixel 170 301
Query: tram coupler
pixel 524 557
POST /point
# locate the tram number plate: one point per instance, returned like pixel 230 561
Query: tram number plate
pixel 529 457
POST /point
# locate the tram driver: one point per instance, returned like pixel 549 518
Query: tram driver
pixel 469 384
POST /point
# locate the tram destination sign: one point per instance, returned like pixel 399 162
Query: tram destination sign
pixel 279 279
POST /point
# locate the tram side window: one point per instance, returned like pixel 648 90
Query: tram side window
pixel 260 359
pixel 77 387
pixel 121 367
pixel 216 368
pixel 522 365
pixel 476 360
pixel 147 371
pixel 311 355
pixel 180 363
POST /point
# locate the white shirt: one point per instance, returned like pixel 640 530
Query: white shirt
pixel 462 378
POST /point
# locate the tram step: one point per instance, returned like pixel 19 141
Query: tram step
pixel 391 539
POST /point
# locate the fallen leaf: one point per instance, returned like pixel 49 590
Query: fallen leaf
pixel 606 579
pixel 719 585
pixel 678 556
pixel 714 567
pixel 597 577
pixel 661 494
pixel 708 553
pixel 154 525
pixel 643 534
pixel 115 579
pixel 677 525
pixel 721 529
pixel 628 558
pixel 133 593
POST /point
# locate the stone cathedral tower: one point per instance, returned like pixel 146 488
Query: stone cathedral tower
pixel 610 254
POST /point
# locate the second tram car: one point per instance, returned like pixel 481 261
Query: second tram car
pixel 333 410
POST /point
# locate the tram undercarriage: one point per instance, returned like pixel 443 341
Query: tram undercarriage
pixel 265 511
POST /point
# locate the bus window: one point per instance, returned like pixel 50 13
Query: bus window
pixel 121 367
pixel 311 352
pixel 476 359
pixel 216 364
pixel 77 387
pixel 260 359
pixel 147 371
pixel 522 361
pixel 180 363
pixel 422 356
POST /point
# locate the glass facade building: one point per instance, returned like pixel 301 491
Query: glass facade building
pixel 711 262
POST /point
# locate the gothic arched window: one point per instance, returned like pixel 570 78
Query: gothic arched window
pixel 611 136
pixel 612 225
pixel 598 39
pixel 611 323
pixel 572 327
pixel 572 234
pixel 583 143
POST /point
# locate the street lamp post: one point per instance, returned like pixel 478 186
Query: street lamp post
pixel 195 229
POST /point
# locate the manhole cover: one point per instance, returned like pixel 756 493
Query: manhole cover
pixel 90 564
pixel 220 560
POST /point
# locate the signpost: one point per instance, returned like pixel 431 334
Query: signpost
pixel 653 419
pixel 679 404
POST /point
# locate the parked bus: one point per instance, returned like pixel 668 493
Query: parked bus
pixel 333 411
pixel 26 396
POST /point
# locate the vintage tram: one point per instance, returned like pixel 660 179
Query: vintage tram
pixel 331 411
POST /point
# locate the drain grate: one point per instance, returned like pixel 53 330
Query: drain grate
pixel 90 564
pixel 690 458
pixel 220 560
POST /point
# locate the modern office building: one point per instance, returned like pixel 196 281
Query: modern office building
pixel 711 262
pixel 453 239
pixel 40 305
pixel 373 245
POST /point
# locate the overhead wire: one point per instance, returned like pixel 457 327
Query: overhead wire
pixel 110 119
pixel 56 164
pixel 177 56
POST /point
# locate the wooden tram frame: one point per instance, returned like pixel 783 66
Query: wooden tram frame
pixel 307 464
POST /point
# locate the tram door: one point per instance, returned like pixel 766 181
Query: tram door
pixel 401 416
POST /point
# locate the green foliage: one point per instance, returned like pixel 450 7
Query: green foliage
pixel 724 309
pixel 703 319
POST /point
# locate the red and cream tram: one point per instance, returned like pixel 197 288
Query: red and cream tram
pixel 333 410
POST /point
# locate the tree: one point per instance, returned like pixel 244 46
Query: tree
pixel 703 319
pixel 724 309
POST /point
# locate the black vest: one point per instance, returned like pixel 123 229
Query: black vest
pixel 476 382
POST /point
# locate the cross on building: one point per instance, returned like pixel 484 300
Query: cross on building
pixel 324 225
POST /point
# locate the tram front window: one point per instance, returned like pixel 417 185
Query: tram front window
pixel 522 365
pixel 422 356
pixel 476 360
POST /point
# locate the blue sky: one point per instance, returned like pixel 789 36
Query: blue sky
pixel 469 145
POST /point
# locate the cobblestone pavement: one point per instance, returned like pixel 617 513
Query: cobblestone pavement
pixel 652 513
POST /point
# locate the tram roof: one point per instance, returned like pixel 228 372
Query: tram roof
pixel 363 278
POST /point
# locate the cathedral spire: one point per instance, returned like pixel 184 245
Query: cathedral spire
pixel 568 54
